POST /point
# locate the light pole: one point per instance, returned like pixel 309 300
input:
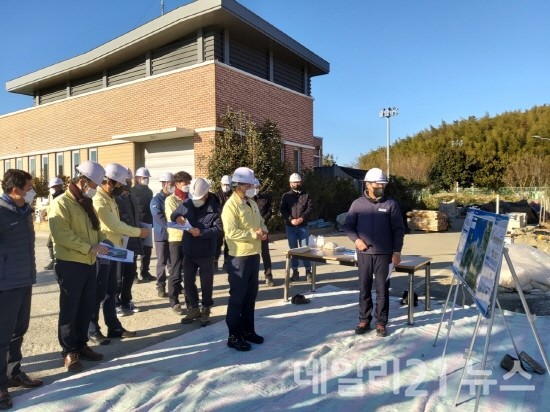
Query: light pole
pixel 387 113
pixel 541 138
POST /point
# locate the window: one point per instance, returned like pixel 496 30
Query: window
pixel 45 167
pixel 59 164
pixel 297 160
pixel 7 165
pixel 32 166
pixel 76 162
pixel 19 163
pixel 92 154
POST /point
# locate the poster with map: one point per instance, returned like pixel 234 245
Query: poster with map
pixel 479 255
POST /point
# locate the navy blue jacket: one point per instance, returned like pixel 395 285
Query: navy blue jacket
pixel 159 217
pixel 295 205
pixel 207 218
pixel 143 196
pixel 379 224
pixel 17 260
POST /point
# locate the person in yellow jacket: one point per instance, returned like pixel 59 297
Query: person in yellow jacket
pixel 74 227
pixel 113 228
pixel 244 230
pixel 182 180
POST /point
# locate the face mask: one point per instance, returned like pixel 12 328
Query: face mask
pixel 52 191
pixel 29 196
pixel 90 193
pixel 256 191
pixel 198 202
pixel 378 192
pixel 145 181
pixel 117 191
pixel 185 189
pixel 226 188
pixel 250 192
pixel 297 188
pixel 171 189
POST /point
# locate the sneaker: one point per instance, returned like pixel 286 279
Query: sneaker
pixel 192 314
pixel 381 331
pixel 121 333
pixel 295 276
pixel 237 342
pixel 5 399
pixel 177 309
pixel 123 311
pixel 50 265
pixel 205 316
pixel 22 380
pixel 98 338
pixel 309 276
pixel 133 307
pixel 253 337
pixel 269 280
pixel 363 327
pixel 161 292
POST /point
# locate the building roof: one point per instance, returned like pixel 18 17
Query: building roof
pixel 163 30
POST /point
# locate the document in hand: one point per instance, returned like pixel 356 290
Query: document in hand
pixel 185 226
pixel 117 254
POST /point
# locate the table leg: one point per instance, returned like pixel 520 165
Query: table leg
pixel 411 298
pixel 287 278
pixel 313 275
pixel 428 281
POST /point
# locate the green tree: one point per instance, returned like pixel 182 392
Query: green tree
pixel 490 173
pixel 329 160
pixel 451 166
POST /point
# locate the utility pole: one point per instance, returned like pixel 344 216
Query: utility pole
pixel 162 7
pixel 387 113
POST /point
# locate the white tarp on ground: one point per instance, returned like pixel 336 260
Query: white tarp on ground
pixel 531 266
pixel 311 360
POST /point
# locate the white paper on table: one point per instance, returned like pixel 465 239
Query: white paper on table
pixel 185 226
pixel 117 254
pixel 148 241
pixel 390 271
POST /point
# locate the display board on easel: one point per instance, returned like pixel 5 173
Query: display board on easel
pixel 479 255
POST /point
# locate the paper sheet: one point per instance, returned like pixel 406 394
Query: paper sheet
pixel 148 241
pixel 117 254
pixel 185 226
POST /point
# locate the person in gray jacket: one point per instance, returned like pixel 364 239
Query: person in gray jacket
pixel 17 275
pixel 374 223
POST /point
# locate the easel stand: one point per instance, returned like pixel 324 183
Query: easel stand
pixel 489 328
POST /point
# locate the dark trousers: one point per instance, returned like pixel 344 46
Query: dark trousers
pixel 15 313
pixel 77 287
pixel 174 280
pixel 206 273
pixel 125 279
pixel 266 257
pixel 163 262
pixel 105 297
pixel 243 289
pixel 221 242
pixel 49 244
pixel 377 267
pixel 146 259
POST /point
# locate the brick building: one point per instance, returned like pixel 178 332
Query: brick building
pixel 153 96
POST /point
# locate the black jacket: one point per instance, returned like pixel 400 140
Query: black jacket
pixel 264 204
pixel 142 196
pixel 295 205
pixel 129 214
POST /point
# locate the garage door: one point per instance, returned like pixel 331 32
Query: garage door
pixel 171 155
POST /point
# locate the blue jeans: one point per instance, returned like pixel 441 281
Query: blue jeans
pixel 298 237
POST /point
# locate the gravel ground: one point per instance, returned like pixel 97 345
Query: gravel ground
pixel 156 322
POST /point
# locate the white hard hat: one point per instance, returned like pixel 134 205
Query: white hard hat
pixel 143 172
pixel 116 172
pixel 198 188
pixel 55 181
pixel 166 177
pixel 376 175
pixel 130 175
pixel 243 175
pixel 256 182
pixel 226 180
pixel 294 178
pixel 92 170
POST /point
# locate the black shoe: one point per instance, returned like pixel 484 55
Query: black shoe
pixel 309 276
pixel 362 328
pixel 161 292
pixel 237 342
pixel 24 381
pixel 98 338
pixel 121 333
pixel 147 276
pixel 295 276
pixel 5 400
pixel 381 331
pixel 50 265
pixel 139 279
pixel 253 337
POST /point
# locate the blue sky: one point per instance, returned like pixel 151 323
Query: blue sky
pixel 434 60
